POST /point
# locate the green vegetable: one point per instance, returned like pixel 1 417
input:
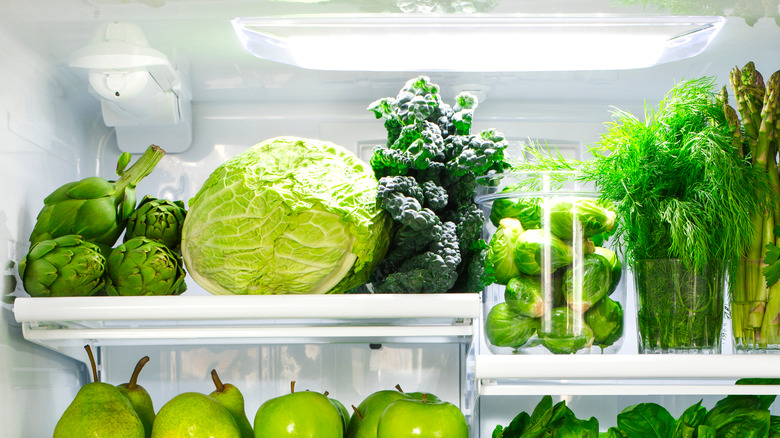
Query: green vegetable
pixel 605 318
pixel 755 292
pixel 525 209
pixel 565 214
pixel 646 420
pixel 427 175
pixel 157 219
pixel 531 246
pixel 141 266
pixel 500 253
pixel 62 267
pixel 289 215
pixel 506 328
pixel 616 267
pixel 95 208
pixel 548 419
pixel 565 332
pixel 596 279
pixel 681 187
pixel 524 295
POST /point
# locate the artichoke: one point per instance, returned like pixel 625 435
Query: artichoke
pixel 63 267
pixel 95 208
pixel 142 266
pixel 156 219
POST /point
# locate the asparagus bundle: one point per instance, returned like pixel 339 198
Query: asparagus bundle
pixel 755 291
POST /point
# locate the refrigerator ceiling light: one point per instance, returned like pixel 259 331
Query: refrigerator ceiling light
pixel 480 42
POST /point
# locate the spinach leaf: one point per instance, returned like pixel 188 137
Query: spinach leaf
pixel 646 420
pixel 689 421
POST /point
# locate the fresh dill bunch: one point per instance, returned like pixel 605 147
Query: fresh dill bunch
pixel 680 188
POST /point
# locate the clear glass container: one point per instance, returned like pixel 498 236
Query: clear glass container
pixel 558 278
pixel 679 310
pixel 754 310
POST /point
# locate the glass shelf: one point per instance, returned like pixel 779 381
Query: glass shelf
pixel 624 374
pixel 67 324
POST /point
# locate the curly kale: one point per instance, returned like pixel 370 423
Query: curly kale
pixel 428 173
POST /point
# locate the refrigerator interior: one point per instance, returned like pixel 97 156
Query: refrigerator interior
pixel 54 133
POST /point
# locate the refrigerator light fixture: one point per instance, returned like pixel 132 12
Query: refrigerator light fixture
pixel 142 93
pixel 473 43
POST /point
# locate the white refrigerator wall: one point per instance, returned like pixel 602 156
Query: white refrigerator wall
pixel 52 133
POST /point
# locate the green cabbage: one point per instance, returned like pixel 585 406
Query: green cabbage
pixel 287 216
pixel 596 280
pixel 506 328
pixel 530 247
pixel 524 295
pixel 593 219
pixel 501 250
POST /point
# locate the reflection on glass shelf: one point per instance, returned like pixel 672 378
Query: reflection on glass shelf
pixel 66 324
pixel 475 42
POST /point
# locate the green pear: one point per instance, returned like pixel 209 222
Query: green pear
pixel 233 400
pixel 194 415
pixel 99 410
pixel 139 397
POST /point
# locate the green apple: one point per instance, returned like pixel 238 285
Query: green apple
pixel 298 414
pixel 364 421
pixel 419 395
pixel 343 412
pixel 422 419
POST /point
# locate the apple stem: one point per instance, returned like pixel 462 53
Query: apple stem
pixel 425 397
pixel 134 377
pixel 92 361
pixel 292 387
pixel 360 417
pixel 217 382
pixel 398 387
pixel 326 393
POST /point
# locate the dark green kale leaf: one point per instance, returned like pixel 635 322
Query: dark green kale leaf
pixel 427 174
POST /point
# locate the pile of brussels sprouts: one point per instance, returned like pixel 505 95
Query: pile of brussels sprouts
pixel 72 249
pixel 540 247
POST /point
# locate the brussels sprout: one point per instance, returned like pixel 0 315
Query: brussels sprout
pixel 605 318
pixel 567 332
pixel 530 247
pixel 615 266
pixel 524 295
pixel 142 266
pixel 592 217
pixel 506 328
pixel 66 266
pixel 596 279
pixel 500 250
pixel 157 219
pixel 526 210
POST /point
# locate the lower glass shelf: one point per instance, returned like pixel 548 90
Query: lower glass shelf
pixel 66 324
